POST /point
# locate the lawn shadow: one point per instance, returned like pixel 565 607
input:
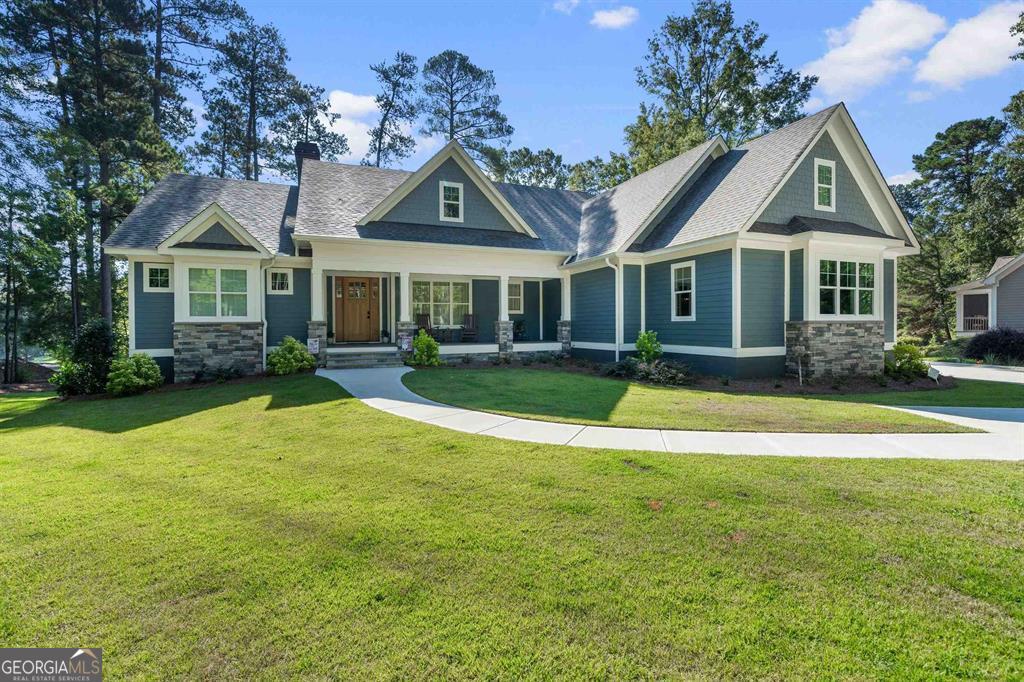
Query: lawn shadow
pixel 120 415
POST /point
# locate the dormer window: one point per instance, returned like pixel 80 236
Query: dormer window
pixel 451 202
pixel 824 185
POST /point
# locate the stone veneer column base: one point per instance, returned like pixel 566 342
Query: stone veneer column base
pixel 503 332
pixel 203 347
pixel 564 336
pixel 317 329
pixel 835 349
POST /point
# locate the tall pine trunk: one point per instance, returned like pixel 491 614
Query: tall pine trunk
pixel 158 61
pixel 9 364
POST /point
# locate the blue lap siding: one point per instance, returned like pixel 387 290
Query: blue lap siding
pixel 762 315
pixel 551 291
pixel 530 317
pixel 593 306
pixel 288 314
pixel 485 305
pixel 796 284
pixel 630 302
pixel 154 315
pixel 712 302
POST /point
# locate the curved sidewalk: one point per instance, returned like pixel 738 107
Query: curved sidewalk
pixel 382 388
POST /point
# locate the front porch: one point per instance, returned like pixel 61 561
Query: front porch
pixel 477 314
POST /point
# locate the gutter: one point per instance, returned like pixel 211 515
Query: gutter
pixel 263 305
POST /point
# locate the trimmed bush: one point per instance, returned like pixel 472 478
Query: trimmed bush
pixel 657 372
pixel 648 348
pixel 86 363
pixel 907 363
pixel 129 376
pixel 425 350
pixel 290 357
pixel 1004 343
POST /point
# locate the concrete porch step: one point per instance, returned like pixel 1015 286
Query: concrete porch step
pixel 363 360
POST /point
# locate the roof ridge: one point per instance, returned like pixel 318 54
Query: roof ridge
pixel 802 119
pixel 240 181
pixel 360 166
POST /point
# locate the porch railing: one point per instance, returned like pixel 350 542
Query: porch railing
pixel 975 323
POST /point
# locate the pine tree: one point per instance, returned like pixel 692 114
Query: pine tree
pixel 306 118
pixel 398 105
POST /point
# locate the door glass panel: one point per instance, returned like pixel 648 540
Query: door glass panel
pixel 357 290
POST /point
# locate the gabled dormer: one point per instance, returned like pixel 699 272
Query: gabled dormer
pixel 449 190
pixel 213 229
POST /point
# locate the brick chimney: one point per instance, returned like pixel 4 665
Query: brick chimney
pixel 305 150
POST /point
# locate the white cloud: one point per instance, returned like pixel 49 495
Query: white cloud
pixel 565 6
pixel 351 105
pixel 620 17
pixel 358 116
pixel 918 96
pixel 974 48
pixel 903 178
pixel 873 47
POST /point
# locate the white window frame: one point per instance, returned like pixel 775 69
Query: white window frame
pixel 693 291
pixel 876 288
pixel 217 293
pixel 291 281
pixel 451 303
pixel 441 202
pixel 516 309
pixel 832 166
pixel 169 289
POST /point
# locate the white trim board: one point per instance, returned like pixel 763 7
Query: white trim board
pixel 768 351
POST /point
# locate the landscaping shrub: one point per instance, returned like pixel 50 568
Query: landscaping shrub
pixel 86 363
pixel 1004 343
pixel 648 348
pixel 907 363
pixel 290 357
pixel 425 350
pixel 656 372
pixel 136 374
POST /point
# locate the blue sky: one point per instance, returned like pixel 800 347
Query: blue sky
pixel 565 68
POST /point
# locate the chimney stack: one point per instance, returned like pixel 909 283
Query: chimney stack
pixel 305 150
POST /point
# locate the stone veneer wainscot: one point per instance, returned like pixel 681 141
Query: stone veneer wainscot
pixel 217 344
pixel 835 349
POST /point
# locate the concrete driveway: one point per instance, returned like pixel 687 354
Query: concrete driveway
pixel 1009 375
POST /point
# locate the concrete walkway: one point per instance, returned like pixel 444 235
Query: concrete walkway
pixel 957 370
pixel 382 388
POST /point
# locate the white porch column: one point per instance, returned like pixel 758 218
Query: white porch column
pixel 317 303
pixel 566 296
pixel 406 295
pixel 503 298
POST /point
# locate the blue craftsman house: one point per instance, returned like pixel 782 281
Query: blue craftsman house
pixel 777 255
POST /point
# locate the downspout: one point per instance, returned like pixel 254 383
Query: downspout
pixel 618 306
pixel 263 305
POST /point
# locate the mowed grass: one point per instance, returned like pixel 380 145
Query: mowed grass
pixel 281 529
pixel 576 398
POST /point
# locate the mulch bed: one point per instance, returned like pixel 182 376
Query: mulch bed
pixel 773 385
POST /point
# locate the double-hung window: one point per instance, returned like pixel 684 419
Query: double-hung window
pixel 824 185
pixel 447 303
pixel 846 288
pixel 451 201
pixel 683 284
pixel 515 298
pixel 217 292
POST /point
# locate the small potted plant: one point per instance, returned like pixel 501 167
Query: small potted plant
pixel 385 336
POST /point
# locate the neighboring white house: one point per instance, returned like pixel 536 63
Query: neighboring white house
pixel 997 300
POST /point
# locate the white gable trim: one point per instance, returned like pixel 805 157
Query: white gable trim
pixel 1005 270
pixel 452 150
pixel 842 115
pixel 714 150
pixel 205 219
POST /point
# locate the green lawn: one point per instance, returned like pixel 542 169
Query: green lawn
pixel 573 397
pixel 282 529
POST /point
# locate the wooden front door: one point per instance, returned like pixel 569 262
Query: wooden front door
pixel 356 308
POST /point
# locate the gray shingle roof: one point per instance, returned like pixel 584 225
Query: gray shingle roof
pixel 800 224
pixel 611 217
pixel 1000 262
pixel 261 208
pixel 731 190
pixel 336 196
